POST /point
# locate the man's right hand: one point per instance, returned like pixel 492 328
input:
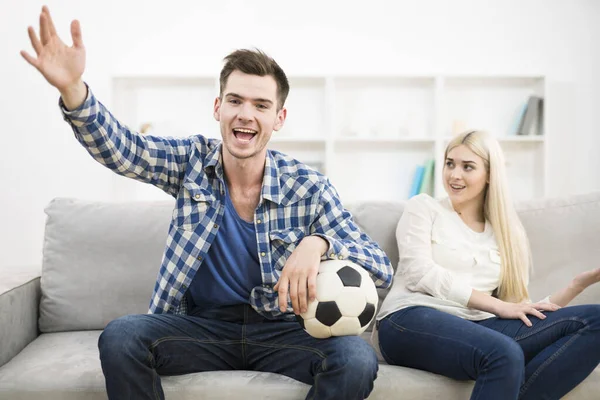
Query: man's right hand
pixel 61 65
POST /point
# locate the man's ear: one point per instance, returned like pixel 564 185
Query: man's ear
pixel 217 109
pixel 281 115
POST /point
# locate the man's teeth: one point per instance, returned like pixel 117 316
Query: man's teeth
pixel 244 131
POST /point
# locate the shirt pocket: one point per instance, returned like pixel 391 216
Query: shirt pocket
pixel 451 254
pixel 192 204
pixel 283 242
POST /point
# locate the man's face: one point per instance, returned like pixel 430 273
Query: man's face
pixel 248 114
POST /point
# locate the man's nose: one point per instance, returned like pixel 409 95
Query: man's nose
pixel 246 112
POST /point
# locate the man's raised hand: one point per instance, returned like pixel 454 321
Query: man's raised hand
pixel 61 65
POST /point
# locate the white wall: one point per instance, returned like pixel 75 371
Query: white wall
pixel 40 159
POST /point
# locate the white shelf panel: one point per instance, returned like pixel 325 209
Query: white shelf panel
pixel 366 132
pixel 384 106
pixel 359 141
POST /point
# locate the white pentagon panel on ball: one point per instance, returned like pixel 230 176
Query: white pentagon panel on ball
pixel 351 301
pixel 370 290
pixel 346 326
pixel 317 329
pixel 329 286
pixel 330 266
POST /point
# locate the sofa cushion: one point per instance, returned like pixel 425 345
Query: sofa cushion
pixel 564 234
pixel 100 261
pixel 65 366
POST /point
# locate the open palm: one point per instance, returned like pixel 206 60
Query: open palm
pixel 61 65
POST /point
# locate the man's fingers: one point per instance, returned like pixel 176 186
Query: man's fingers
pixel 282 288
pixel 294 295
pixel 302 294
pixel 44 33
pixel 30 59
pixel 312 287
pixel 76 34
pixel 35 42
pixel 51 28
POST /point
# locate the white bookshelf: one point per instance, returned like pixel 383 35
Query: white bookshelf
pixel 366 133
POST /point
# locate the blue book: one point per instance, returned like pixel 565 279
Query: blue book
pixel 417 179
pixel 519 121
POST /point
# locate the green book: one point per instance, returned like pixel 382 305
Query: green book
pixel 427 183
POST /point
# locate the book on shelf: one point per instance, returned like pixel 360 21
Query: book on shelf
pixel 530 121
pixel 417 180
pixel 427 181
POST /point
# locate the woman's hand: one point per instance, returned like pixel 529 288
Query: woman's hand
pixel 520 311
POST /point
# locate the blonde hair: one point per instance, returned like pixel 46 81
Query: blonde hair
pixel 499 210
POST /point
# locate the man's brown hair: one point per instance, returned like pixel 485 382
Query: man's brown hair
pixel 255 62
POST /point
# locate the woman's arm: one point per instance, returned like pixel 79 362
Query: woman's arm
pixel 575 287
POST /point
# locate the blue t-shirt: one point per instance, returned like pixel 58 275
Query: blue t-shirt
pixel 231 268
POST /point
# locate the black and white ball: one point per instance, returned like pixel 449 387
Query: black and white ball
pixel 346 301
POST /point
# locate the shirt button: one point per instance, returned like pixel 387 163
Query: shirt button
pixel 258 221
pixel 332 255
pixel 197 197
pixel 199 258
pixel 341 257
pixel 263 254
pixel 215 226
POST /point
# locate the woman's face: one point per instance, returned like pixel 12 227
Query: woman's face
pixel 465 176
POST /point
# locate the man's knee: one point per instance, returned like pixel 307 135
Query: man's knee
pixel 119 337
pixel 358 357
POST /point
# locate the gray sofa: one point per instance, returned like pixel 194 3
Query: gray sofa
pixel 100 261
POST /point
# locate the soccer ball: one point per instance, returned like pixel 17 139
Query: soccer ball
pixel 345 304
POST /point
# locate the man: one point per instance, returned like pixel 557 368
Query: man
pixel 249 230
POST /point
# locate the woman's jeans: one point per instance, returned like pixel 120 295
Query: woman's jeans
pixel 135 350
pixel 507 359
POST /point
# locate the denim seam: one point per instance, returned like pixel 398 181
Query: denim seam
pixel 154 375
pixel 288 346
pixel 539 370
pixel 244 343
pixel 189 339
pixel 543 328
pixel 403 329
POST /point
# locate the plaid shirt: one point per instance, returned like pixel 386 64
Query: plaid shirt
pixel 295 201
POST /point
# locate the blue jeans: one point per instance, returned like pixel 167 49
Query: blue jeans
pixel 135 350
pixel 506 359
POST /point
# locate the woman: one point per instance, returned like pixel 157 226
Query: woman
pixel 459 304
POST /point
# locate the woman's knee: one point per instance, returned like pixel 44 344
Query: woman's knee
pixel 507 355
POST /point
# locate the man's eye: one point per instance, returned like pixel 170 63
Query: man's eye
pixel 234 101
pixel 448 163
pixel 261 106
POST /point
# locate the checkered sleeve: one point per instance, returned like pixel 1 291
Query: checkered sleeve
pixel 160 161
pixel 346 240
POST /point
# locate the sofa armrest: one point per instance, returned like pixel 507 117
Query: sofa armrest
pixel 19 304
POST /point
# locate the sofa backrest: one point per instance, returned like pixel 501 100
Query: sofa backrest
pixel 100 260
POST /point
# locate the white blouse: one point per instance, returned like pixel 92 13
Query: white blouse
pixel 441 260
